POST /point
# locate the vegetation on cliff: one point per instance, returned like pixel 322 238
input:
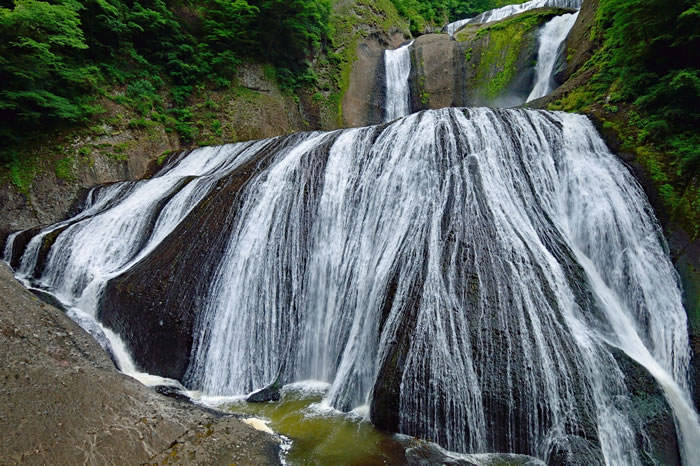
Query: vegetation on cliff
pixel 57 57
pixel 645 84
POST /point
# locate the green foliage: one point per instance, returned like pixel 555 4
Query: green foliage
pixel 57 56
pixel 42 81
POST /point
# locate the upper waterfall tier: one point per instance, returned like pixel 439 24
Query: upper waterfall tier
pixel 486 279
pixel 511 10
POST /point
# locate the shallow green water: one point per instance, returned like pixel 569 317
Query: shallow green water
pixel 323 436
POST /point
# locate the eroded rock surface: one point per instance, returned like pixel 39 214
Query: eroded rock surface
pixel 63 402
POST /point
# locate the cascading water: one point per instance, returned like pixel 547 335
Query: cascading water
pixel 464 272
pixel 498 14
pixel 550 39
pixel 397 68
pixel 120 224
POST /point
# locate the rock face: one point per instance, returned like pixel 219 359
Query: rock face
pixel 518 340
pixel 487 64
pixel 686 257
pixel 579 44
pixel 63 402
pixel 157 316
pixel 490 344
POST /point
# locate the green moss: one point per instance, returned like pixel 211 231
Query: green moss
pixel 64 169
pixel 21 173
pixel 117 157
pixel 424 96
pixel 162 157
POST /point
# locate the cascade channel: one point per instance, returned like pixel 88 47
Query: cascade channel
pixel 551 39
pixel 397 68
pixel 478 278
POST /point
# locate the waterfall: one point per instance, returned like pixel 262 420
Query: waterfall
pixel 397 68
pixel 119 225
pixel 470 274
pixel 550 38
pixel 498 14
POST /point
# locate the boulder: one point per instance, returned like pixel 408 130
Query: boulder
pixel 63 402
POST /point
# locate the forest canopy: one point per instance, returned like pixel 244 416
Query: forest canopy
pixel 55 56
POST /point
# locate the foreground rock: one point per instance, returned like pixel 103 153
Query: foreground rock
pixel 268 393
pixel 62 401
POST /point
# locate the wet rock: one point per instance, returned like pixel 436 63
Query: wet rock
pixel 363 103
pixel 269 393
pixel 491 64
pixel 154 313
pixel 428 454
pixel 657 440
pixel 511 385
pixel 48 299
pixel 572 450
pixel 172 392
pixel 155 304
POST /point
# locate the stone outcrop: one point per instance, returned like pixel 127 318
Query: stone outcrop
pixel 63 402
pixel 155 304
pixel 155 316
pixel 652 413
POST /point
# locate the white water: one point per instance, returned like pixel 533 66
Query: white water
pixel 550 39
pixel 113 232
pixel 506 248
pixel 511 10
pixel 397 68
pixel 9 244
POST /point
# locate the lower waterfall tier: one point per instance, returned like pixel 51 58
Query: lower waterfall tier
pixel 490 280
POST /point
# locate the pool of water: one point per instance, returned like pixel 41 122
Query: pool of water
pixel 317 434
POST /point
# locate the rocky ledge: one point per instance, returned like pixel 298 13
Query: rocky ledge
pixel 63 402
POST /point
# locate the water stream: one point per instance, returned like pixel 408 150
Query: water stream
pixel 498 14
pixel 550 39
pixel 397 68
